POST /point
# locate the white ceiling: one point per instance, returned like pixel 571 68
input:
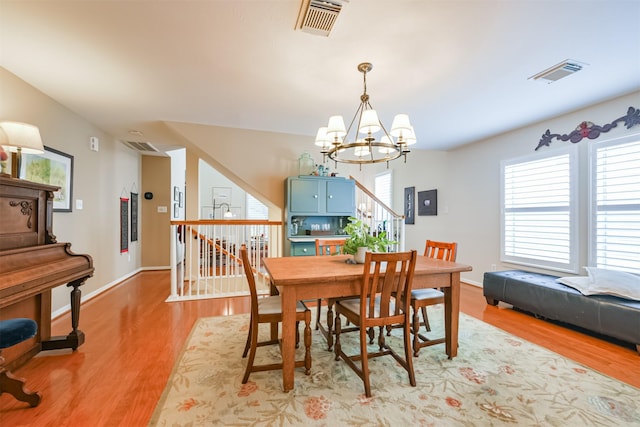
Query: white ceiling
pixel 460 69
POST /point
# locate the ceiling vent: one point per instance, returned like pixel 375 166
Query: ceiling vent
pixel 318 16
pixel 558 71
pixel 143 147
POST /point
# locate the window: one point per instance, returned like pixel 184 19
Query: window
pixel 256 209
pixel 382 187
pixel 539 216
pixel 614 240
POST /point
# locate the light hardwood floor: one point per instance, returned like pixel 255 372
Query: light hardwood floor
pixel 133 339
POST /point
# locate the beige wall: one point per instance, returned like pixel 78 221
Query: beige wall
pixel 155 225
pixel 99 180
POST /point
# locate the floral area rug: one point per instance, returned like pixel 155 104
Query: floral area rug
pixel 496 379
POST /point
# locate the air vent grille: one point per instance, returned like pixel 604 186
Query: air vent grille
pixel 319 17
pixel 144 147
pixel 558 71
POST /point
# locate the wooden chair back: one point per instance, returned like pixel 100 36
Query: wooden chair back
pixel 386 275
pixel 251 280
pixel 441 250
pixel 329 246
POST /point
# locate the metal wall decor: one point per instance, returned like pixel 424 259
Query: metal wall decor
pixel 409 205
pixel 428 202
pixel 590 130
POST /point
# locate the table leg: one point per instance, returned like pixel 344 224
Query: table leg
pixel 288 301
pixel 274 326
pixel 452 315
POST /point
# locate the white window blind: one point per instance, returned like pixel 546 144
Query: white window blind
pixel 256 209
pixel 382 187
pixel 539 202
pixel 615 205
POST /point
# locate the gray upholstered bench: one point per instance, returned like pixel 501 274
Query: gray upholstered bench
pixel 541 295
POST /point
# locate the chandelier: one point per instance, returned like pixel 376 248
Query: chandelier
pixel 335 144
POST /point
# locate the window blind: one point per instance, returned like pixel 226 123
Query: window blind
pixel 615 205
pixel 539 211
pixel 256 209
pixel 382 187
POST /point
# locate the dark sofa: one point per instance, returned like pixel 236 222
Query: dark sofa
pixel 541 295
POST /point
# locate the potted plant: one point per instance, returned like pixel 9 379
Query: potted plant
pixel 361 240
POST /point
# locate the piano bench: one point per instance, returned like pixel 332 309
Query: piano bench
pixel 12 332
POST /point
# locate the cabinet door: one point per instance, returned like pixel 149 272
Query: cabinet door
pixel 304 195
pixel 341 197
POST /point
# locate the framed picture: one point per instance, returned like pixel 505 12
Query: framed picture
pixel 221 194
pixel 428 202
pixel 134 217
pixel 176 193
pixel 409 205
pixel 52 167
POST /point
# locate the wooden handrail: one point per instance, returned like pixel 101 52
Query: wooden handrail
pixel 226 222
pixel 373 196
pixel 218 247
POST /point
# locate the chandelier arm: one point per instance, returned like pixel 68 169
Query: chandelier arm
pixel 357 114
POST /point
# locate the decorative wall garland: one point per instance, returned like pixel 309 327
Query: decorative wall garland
pixel 590 130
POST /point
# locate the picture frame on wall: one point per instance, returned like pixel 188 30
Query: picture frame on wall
pixel 53 167
pixel 428 202
pixel 409 205
pixel 221 194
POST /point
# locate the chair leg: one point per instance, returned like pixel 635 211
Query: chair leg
pixel 252 352
pixel 425 318
pixel 337 347
pixel 329 325
pixel 318 314
pixel 307 344
pixel 364 361
pixel 15 387
pixel 407 353
pixel 416 331
pixel 248 344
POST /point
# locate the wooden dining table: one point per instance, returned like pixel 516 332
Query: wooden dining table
pixel 313 277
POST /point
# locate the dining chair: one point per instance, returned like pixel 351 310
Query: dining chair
pixel 269 310
pixel 385 275
pixel 328 247
pixel 422 298
pixel 13 332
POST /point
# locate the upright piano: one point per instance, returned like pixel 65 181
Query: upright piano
pixel 32 263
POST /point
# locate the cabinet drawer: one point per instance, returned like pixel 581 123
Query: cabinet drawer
pixel 303 248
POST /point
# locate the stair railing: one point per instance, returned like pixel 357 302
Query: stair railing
pixel 205 256
pixel 380 217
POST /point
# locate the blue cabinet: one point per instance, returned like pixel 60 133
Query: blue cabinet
pixel 321 196
pixel 316 207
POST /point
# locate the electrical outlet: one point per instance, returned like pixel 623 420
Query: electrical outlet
pixel 493 267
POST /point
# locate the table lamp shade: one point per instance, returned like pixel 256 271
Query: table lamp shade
pixel 21 137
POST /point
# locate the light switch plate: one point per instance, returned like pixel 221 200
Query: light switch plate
pixel 79 204
pixel 94 143
pixel 162 209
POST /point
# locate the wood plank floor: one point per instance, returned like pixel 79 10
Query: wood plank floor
pixel 133 339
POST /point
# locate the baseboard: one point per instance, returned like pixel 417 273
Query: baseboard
pixel 471 282
pixel 65 309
